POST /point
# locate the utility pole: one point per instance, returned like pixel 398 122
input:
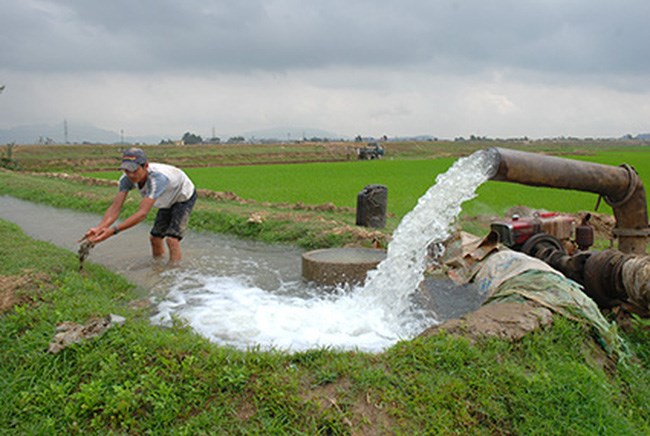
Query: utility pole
pixel 65 130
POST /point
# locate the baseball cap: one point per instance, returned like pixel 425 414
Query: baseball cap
pixel 132 159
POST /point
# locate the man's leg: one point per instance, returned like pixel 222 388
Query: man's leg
pixel 174 246
pixel 157 247
pixel 158 233
pixel 180 215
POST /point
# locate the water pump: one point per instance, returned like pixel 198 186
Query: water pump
pixel 610 277
pixel 523 233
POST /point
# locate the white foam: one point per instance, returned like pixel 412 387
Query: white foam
pixel 230 312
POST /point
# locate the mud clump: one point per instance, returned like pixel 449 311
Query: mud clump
pixel 84 251
pixel 16 290
pixel 509 321
pixel 69 333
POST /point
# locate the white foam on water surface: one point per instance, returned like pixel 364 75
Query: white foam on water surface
pixel 230 311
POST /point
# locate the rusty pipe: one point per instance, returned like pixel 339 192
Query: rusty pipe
pixel 620 186
pixel 611 277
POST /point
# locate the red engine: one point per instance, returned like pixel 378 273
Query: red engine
pixel 517 230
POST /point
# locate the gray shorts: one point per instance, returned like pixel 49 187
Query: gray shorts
pixel 172 221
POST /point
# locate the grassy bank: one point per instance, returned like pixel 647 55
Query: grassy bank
pixel 299 224
pixel 138 378
pixel 308 226
pixel 317 183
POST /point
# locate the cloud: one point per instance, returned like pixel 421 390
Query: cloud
pixel 395 103
pixel 447 67
pixel 277 35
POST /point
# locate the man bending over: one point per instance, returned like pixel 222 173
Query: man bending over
pixel 162 186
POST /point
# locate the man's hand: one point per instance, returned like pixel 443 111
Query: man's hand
pixel 92 232
pixel 96 236
pixel 102 231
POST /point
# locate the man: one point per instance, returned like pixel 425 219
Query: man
pixel 162 186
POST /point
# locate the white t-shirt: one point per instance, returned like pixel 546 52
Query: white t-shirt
pixel 166 184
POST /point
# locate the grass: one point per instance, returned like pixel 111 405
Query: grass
pixel 318 183
pixel 302 226
pixel 95 157
pixel 143 379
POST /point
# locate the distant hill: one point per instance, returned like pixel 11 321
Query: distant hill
pixel 80 133
pixel 77 133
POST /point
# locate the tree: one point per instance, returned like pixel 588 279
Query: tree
pixel 236 139
pixel 191 138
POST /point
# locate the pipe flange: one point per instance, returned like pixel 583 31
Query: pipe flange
pixel 616 231
pixel 602 277
pixel 633 182
pixel 541 241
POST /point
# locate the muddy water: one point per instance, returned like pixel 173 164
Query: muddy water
pixel 237 292
pixel 267 266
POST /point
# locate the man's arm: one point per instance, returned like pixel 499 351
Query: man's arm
pixel 110 216
pixel 104 231
pixel 145 206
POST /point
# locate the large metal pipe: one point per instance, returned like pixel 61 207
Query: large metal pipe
pixel 619 186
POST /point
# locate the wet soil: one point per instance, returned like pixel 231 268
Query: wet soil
pixel 16 290
pixel 510 321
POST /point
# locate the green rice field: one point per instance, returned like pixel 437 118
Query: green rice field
pixel 339 183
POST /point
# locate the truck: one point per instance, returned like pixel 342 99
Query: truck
pixel 372 150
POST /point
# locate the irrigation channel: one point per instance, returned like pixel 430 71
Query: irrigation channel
pixel 249 294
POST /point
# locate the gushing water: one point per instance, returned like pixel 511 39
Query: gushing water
pixel 430 222
pixel 231 311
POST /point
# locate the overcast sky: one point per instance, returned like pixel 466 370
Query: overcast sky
pixel 499 68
